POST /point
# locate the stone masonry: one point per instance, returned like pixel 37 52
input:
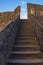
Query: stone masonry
pixel 8 17
pixel 35 9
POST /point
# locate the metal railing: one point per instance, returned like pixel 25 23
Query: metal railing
pixel 38 29
pixel 7 38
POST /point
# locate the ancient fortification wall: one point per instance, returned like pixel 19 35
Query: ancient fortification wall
pixel 35 9
pixel 8 17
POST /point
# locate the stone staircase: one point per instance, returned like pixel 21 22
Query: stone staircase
pixel 25 50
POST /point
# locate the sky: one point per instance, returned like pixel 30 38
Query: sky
pixel 10 5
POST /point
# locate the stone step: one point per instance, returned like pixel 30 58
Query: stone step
pixel 24 48
pixel 26 38
pixel 26 45
pixel 25 34
pixel 26 42
pixel 24 52
pixel 30 37
pixel 26 61
pixel 24 64
pixel 25 56
pixel 20 32
pixel 26 28
pixel 27 24
pixel 28 31
pixel 24 24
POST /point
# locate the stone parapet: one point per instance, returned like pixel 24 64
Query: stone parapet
pixel 35 9
pixel 8 17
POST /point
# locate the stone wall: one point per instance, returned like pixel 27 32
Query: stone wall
pixel 7 38
pixel 35 15
pixel 35 9
pixel 8 17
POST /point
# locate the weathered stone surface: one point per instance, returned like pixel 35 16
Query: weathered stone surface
pixel 7 17
pixel 35 14
pixel 35 9
pixel 7 38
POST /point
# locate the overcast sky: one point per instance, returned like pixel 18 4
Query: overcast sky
pixel 10 5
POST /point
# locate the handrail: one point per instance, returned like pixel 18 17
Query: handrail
pixel 38 30
pixel 37 22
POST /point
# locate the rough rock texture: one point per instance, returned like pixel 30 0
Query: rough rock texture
pixel 7 38
pixel 35 14
pixel 35 9
pixel 8 17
